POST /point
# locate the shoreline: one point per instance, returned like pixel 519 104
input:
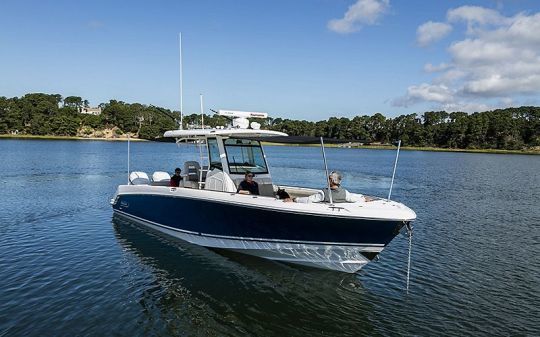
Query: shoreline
pixel 369 147
pixel 119 139
pixel 416 148
pixel 440 149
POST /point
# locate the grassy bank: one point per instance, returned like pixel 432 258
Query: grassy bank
pixel 69 138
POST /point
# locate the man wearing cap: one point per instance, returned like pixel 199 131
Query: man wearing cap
pixel 248 186
pixel 176 178
pixel 339 194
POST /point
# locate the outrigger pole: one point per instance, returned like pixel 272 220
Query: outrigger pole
pixel 326 170
pixel 394 172
pixel 181 84
pixel 202 111
pixel 128 160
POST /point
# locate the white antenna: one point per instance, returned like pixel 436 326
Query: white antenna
pixel 202 111
pixel 394 172
pixel 128 159
pixel 181 85
pixel 326 171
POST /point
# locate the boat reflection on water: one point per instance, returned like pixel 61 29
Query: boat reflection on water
pixel 186 288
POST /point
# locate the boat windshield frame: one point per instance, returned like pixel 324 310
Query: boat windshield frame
pixel 214 154
pixel 254 151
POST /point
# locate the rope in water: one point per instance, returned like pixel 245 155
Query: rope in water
pixel 409 234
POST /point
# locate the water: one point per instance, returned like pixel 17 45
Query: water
pixel 66 268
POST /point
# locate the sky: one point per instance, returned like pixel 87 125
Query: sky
pixel 301 59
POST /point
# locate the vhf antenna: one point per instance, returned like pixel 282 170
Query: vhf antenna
pixel 181 84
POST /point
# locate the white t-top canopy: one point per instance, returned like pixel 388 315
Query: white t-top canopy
pixel 203 133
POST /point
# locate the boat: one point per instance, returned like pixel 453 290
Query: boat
pixel 206 209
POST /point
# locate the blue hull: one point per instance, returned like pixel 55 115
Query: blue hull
pixel 211 218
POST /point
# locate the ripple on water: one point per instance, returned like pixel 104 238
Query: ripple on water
pixel 66 270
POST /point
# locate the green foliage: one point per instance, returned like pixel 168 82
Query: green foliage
pixel 64 124
pixel 73 102
pixel 508 129
pixel 44 114
pixel 92 121
pixel 512 128
pixel 148 122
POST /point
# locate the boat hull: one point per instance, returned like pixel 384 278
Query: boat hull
pixel 337 243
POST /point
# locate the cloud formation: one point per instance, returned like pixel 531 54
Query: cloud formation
pixel 431 32
pixel 430 68
pixel 363 12
pixel 475 15
pixel 439 93
pixel 496 61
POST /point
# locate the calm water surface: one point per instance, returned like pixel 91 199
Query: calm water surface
pixel 68 268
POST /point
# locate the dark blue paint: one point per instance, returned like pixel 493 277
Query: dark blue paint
pixel 214 218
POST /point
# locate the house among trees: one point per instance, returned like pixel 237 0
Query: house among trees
pixel 81 105
pixel 90 111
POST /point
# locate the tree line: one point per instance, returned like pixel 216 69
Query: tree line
pixel 510 129
pixel 51 114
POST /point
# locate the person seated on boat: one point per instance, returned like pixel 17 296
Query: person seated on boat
pixel 176 178
pixel 248 185
pixel 339 194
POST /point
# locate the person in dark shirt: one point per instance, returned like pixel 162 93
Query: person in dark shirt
pixel 176 178
pixel 248 186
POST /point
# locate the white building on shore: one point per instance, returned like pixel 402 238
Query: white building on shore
pixel 90 111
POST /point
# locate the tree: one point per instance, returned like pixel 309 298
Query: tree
pixel 511 128
pixel 73 102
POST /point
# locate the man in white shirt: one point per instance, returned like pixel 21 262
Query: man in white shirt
pixel 339 194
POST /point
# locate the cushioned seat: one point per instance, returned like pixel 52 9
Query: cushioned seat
pixel 160 178
pixel 139 178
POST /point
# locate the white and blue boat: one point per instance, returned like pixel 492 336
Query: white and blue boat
pixel 206 210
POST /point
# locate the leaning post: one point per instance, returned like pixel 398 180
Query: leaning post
pixel 394 172
pixel 326 170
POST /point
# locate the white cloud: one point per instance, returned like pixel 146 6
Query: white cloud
pixel 496 61
pixel 450 76
pixel 497 85
pixel 431 32
pixel 363 12
pixel 475 15
pixel 471 52
pixel 467 107
pixel 430 68
pixel 425 92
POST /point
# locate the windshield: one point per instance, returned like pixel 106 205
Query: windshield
pixel 213 152
pixel 245 155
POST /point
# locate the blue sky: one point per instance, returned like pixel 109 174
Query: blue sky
pixel 302 59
